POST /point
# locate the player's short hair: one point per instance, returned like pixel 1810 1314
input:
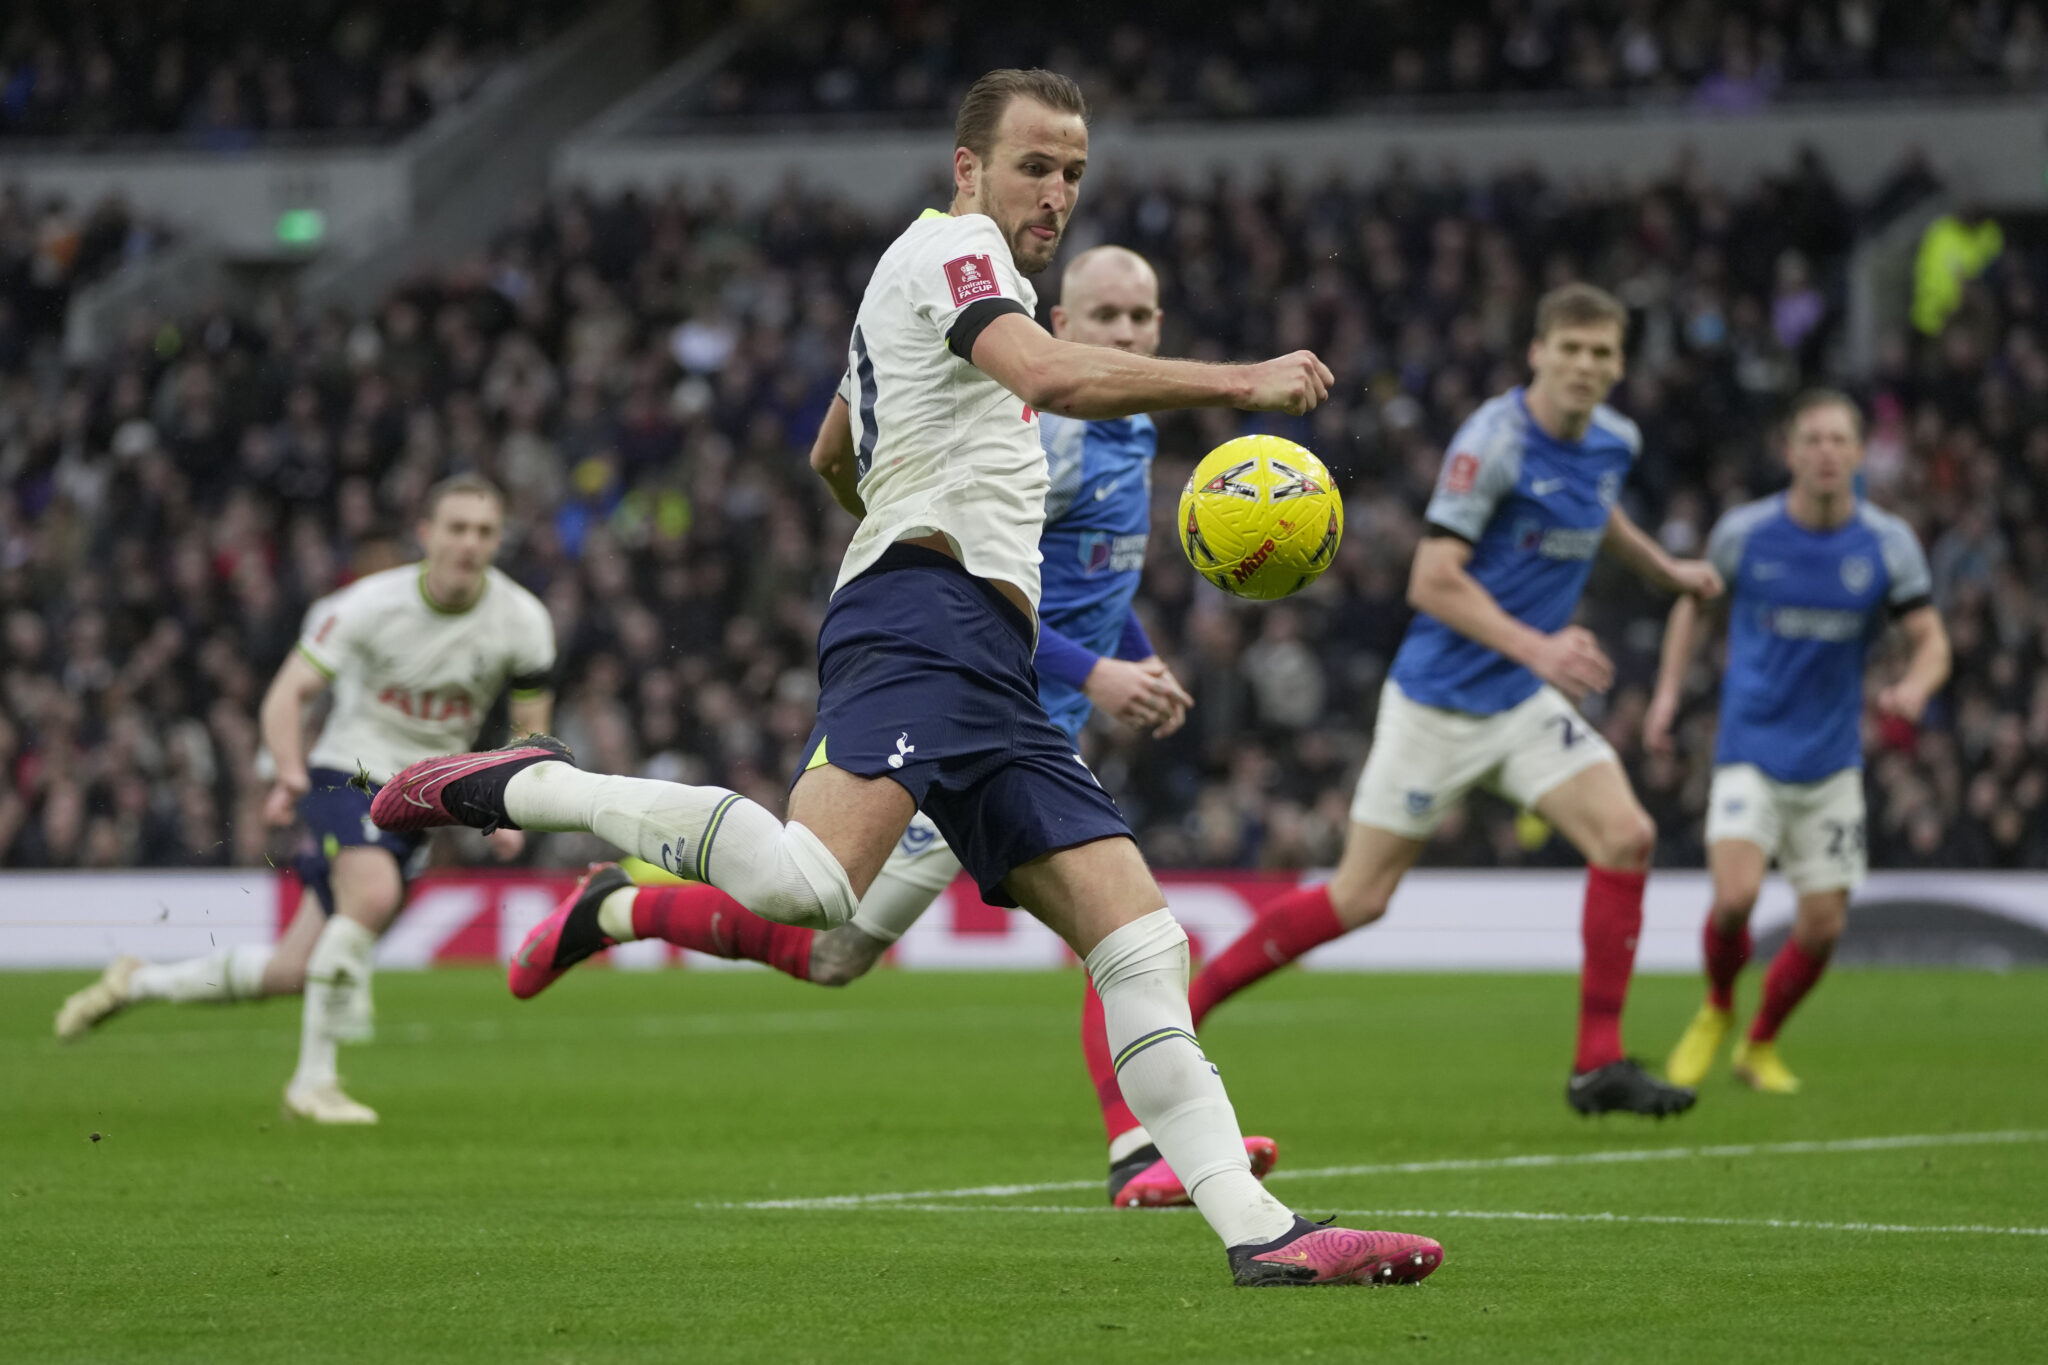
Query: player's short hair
pixel 981 108
pixel 465 482
pixel 1578 305
pixel 1821 397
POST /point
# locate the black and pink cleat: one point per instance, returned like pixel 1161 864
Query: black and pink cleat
pixel 461 789
pixel 1310 1254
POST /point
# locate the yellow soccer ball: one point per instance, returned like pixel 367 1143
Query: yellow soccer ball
pixel 1260 517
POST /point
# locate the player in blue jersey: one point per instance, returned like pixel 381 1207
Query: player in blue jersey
pixel 1814 575
pixel 1482 690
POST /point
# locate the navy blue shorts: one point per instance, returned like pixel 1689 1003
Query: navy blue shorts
pixel 925 676
pixel 337 816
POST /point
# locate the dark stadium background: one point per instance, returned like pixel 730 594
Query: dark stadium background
pixel 208 420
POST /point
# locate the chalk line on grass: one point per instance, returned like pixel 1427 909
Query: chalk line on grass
pixel 1533 1161
pixel 1510 1216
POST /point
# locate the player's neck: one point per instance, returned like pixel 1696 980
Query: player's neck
pixel 1819 511
pixel 1557 422
pixel 450 597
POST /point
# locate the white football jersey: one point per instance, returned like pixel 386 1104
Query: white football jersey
pixel 941 447
pixel 412 680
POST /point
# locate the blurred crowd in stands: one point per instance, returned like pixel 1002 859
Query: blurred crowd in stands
pixel 50 249
pixel 1230 58
pixel 644 377
pixel 219 74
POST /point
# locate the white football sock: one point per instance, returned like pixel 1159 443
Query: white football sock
pixel 1128 1141
pixel 224 974
pixel 780 872
pixel 337 1006
pixel 1141 973
pixel 903 890
pixel 615 915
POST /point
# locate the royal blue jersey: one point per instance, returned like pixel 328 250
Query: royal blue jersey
pixel 1534 509
pixel 1804 606
pixel 1096 517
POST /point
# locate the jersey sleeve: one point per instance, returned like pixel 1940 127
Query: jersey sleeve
pixel 1725 544
pixel 533 653
pixel 846 385
pixel 963 280
pixel 1480 469
pixel 330 633
pixel 1905 565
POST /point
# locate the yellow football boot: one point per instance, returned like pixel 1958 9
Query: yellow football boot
pixel 1696 1050
pixel 1758 1067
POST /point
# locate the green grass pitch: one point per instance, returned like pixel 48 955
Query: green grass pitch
pixel 566 1180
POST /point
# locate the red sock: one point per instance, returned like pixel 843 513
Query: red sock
pixel 1117 1118
pixel 1726 952
pixel 1613 916
pixel 1792 974
pixel 1284 930
pixel 706 919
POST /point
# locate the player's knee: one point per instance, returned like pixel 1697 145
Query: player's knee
pixel 1818 926
pixel 1734 899
pixel 1357 905
pixel 1626 839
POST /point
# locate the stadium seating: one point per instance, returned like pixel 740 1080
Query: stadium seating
pixel 1231 58
pixel 220 75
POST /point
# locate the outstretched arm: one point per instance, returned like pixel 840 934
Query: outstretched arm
pixel 1439 586
pixel 1095 382
pixel 1925 672
pixel 1681 636
pixel 281 719
pixel 832 457
pixel 1645 558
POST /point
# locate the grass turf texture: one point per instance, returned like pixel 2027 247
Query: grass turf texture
pixel 550 1181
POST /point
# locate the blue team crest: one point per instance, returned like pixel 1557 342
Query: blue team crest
pixel 1857 571
pixel 918 839
pixel 1528 535
pixel 1610 487
pixel 1419 802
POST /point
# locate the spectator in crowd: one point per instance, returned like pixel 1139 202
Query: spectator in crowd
pixel 219 75
pixel 1236 58
pixel 643 376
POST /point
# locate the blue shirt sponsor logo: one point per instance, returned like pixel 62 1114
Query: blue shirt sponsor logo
pixel 1535 509
pixel 1805 605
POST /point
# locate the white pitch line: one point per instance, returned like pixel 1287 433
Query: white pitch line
pixel 1900 1142
pixel 1514 1216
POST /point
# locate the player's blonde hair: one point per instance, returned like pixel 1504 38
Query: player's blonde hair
pixel 1578 305
pixel 981 108
pixel 465 482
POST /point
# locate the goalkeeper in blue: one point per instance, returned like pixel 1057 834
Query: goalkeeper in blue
pixel 1815 576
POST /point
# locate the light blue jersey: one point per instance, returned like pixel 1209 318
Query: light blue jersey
pixel 1535 510
pixel 1804 606
pixel 1097 515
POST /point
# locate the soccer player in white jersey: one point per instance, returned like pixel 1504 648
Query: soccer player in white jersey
pixel 1815 575
pixel 415 655
pixel 927 697
pixel 1482 689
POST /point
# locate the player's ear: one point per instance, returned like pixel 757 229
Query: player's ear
pixel 966 172
pixel 1059 322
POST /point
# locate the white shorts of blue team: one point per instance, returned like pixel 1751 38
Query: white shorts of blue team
pixel 1814 831
pixel 1425 759
pixel 919 869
